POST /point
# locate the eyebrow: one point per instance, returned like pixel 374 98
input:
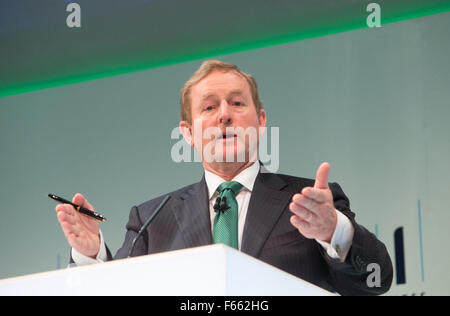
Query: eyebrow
pixel 207 96
pixel 232 93
pixel 236 92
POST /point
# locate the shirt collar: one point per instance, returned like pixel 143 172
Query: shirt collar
pixel 247 178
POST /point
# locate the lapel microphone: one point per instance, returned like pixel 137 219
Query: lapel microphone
pixel 144 227
pixel 221 205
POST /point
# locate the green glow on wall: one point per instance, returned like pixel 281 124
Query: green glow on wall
pixel 181 57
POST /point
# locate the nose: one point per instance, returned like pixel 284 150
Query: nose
pixel 225 115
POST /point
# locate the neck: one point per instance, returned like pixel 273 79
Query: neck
pixel 226 170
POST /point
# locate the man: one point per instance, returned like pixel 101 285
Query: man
pixel 302 226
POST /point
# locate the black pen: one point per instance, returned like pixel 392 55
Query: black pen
pixel 79 208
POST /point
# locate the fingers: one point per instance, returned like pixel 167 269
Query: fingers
pixel 302 213
pixel 305 202
pixel 71 231
pixel 318 195
pixel 313 208
pixel 308 215
pixel 79 199
pixel 82 232
pixel 68 219
pixel 65 208
pixel 322 176
pixel 300 224
pixel 65 217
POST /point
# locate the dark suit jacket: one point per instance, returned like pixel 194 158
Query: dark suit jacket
pixel 184 222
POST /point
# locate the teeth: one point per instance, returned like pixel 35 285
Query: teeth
pixel 223 136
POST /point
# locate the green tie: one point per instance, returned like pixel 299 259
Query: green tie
pixel 226 221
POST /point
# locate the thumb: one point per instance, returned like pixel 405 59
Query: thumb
pixel 322 176
pixel 79 199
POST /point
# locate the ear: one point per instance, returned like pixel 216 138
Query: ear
pixel 186 130
pixel 262 121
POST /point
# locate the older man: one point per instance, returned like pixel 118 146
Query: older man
pixel 302 226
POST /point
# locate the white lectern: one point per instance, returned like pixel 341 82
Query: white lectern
pixel 214 270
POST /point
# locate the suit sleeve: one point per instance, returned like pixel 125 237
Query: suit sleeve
pixel 133 226
pixel 350 277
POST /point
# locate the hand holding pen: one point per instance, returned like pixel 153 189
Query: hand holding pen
pixel 82 232
pixel 79 208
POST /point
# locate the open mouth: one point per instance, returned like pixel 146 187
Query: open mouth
pixel 227 136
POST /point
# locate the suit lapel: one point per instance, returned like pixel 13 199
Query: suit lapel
pixel 266 205
pixel 191 211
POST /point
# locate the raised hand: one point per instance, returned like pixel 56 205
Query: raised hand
pixel 314 212
pixel 82 232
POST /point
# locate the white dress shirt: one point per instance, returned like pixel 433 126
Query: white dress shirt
pixel 338 249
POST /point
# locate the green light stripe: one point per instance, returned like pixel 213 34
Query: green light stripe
pixel 325 31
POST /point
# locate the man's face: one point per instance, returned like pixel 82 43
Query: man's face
pixel 222 109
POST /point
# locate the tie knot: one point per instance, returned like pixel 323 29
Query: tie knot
pixel 233 186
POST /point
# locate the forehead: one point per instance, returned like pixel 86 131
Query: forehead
pixel 220 83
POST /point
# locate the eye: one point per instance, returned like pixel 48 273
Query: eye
pixel 237 103
pixel 209 108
